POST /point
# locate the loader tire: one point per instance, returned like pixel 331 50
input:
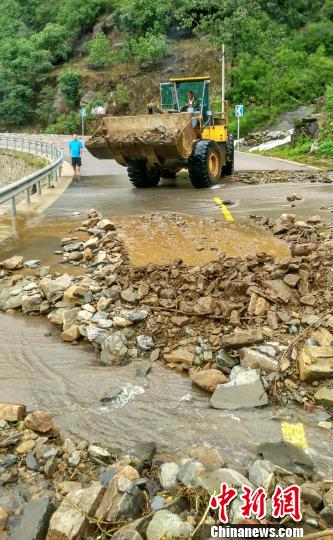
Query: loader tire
pixel 142 176
pixel 228 169
pixel 205 164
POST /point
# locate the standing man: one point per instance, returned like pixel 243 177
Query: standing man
pixel 75 146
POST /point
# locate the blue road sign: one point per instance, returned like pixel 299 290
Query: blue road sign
pixel 239 111
pixel 83 112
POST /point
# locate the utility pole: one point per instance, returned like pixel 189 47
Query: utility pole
pixel 222 79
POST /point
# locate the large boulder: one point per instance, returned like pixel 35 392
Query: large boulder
pixel 208 379
pixel 11 412
pixel 53 289
pixel 70 521
pixel 241 339
pixel 180 355
pixel 123 500
pixel 34 522
pixel 315 362
pixel 168 526
pixel 205 306
pixel 252 358
pixel 13 263
pixel 245 390
pixel 114 349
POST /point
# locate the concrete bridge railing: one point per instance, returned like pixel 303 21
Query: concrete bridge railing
pixel 50 173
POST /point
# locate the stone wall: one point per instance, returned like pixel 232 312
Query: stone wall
pixel 15 165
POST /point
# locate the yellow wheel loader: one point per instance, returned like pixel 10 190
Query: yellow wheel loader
pixel 183 134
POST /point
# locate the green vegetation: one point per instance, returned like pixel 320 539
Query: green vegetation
pixel 279 53
pixel 69 86
pixel 99 51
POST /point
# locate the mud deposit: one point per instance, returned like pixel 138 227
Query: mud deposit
pixel 149 239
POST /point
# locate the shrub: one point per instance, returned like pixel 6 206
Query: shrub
pixel 69 84
pixel 66 123
pixel 99 51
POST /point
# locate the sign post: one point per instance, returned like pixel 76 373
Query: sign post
pixel 83 113
pixel 239 113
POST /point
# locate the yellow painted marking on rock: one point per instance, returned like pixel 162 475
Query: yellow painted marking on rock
pixel 294 433
pixel 224 209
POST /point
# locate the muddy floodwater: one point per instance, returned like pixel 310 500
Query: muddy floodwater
pixel 164 407
pixel 156 239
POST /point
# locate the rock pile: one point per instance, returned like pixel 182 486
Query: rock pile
pixel 52 488
pixel 291 177
pixel 225 323
pixel 259 137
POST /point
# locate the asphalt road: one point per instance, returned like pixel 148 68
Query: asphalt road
pixel 106 187
pixel 243 162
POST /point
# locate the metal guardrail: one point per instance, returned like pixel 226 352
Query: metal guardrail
pixel 50 173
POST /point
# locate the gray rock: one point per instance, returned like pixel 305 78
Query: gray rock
pixel 70 520
pixel 212 481
pixel 111 394
pixel 98 452
pixel 135 316
pixel 32 263
pixel 244 390
pixel 114 349
pixel 34 522
pixel 75 458
pixel 76 246
pixel 168 526
pixel 141 455
pixel 31 462
pixel 157 503
pixel 145 342
pixel 168 473
pixel 288 456
pixel 311 495
pixel 188 470
pixel 122 500
pixel 53 289
pixel 261 472
pixel 106 476
pixel 327 514
pixel 224 360
pixel 252 358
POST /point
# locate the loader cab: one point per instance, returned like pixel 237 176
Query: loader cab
pixel 174 94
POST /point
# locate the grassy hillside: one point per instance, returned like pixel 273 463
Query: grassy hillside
pixel 279 54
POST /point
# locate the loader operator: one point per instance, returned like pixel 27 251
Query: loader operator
pixel 192 103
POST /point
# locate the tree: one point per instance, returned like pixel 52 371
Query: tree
pixel 45 110
pixel 54 38
pixel 141 16
pixel 22 70
pixel 69 85
pixel 99 51
pixel 78 16
pixel 149 48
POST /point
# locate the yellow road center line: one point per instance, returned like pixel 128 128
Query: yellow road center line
pixel 224 209
pixel 294 433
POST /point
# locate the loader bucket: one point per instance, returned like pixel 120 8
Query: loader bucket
pixel 154 137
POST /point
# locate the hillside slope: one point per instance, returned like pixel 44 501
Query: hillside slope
pixel 279 54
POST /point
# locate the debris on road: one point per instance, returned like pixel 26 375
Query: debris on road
pixel 52 488
pixel 265 314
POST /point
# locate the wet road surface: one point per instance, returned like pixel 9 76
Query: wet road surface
pixel 113 195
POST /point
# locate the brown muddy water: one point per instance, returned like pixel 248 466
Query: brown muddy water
pixel 157 238
pixel 164 407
